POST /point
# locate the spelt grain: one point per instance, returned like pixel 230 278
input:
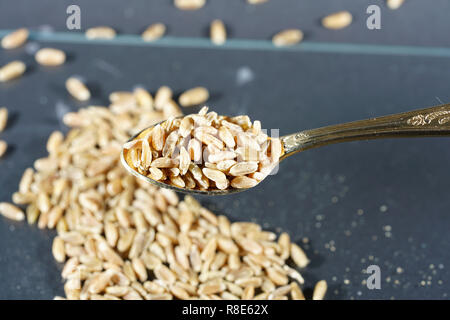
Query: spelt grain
pixel 299 256
pixel 338 20
pixel 189 4
pixel 77 89
pixel 50 57
pixel 194 96
pixel 243 182
pixel 10 211
pixel 3 147
pixel 296 292
pixel 163 95
pixel 218 32
pixel 143 98
pixel 394 4
pixel 276 276
pixel 154 32
pixel 3 118
pixel 15 39
pixel 58 250
pixel 320 290
pixel 100 33
pixel 287 37
pixel 12 71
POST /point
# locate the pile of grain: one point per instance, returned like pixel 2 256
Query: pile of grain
pixel 120 238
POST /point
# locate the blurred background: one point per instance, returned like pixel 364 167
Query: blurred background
pixel 350 206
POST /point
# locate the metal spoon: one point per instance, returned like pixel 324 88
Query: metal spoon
pixel 433 121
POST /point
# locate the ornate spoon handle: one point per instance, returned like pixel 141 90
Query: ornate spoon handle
pixel 434 121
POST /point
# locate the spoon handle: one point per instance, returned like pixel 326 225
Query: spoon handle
pixel 433 121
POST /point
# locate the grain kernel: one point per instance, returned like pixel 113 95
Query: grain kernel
pixel 154 32
pixel 15 39
pixel 243 182
pixel 394 4
pixel 338 20
pixel 287 37
pixel 12 71
pixel 100 33
pixel 50 57
pixel 299 256
pixel 3 147
pixel 218 32
pixel 10 211
pixel 3 118
pixel 320 290
pixel 77 89
pixel 194 96
pixel 189 4
pixel 58 249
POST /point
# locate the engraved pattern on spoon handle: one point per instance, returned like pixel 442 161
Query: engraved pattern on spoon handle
pixel 433 121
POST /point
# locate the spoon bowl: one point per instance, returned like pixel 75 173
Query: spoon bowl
pixel 165 185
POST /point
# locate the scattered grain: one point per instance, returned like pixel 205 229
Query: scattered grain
pixel 50 57
pixel 3 147
pixel 394 4
pixel 3 118
pixel 77 89
pixel 100 33
pixel 15 39
pixel 320 290
pixel 338 20
pixel 287 37
pixel 10 211
pixel 12 71
pixel 218 32
pixel 189 4
pixel 154 32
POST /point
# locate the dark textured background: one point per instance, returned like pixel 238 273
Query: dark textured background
pixel 315 195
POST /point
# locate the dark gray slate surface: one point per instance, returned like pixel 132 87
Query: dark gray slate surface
pixel 316 195
pixel 417 22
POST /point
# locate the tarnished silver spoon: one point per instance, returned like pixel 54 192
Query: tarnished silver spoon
pixel 429 122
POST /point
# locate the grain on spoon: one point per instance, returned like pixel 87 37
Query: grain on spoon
pixel 205 151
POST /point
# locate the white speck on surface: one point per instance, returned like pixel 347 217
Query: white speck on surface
pixel 32 47
pixel 61 109
pixel 107 67
pixel 81 78
pixel 43 100
pixel 244 75
pixel 383 208
pixel 139 86
pixel 129 13
pixel 46 28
